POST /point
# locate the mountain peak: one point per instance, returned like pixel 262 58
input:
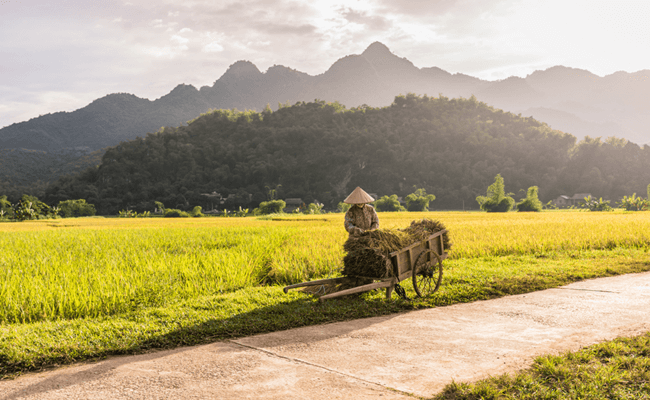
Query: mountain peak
pixel 242 69
pixel 377 49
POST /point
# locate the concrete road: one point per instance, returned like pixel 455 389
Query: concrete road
pixel 392 357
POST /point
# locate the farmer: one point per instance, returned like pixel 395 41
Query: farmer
pixel 361 216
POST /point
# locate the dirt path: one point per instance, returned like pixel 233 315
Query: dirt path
pixel 392 357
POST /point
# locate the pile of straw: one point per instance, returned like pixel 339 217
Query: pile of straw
pixel 368 254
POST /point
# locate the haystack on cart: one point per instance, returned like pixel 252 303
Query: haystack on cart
pixel 422 262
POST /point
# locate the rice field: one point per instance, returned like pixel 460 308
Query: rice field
pixel 90 267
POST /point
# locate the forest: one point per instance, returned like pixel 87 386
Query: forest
pixel 319 151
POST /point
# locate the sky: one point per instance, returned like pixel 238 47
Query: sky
pixel 60 55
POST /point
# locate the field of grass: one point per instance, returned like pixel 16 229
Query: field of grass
pixel 77 289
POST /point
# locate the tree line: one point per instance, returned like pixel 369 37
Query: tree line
pixel 319 151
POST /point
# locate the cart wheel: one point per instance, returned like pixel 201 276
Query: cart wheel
pixel 427 273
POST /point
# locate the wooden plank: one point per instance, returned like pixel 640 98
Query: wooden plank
pixel 358 289
pixel 314 283
pixel 405 275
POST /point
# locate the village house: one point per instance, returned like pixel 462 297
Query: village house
pixel 564 201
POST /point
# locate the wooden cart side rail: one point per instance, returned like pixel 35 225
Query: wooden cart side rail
pixel 407 248
pixel 377 285
pixel 314 283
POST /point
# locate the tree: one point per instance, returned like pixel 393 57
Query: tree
pixel 496 200
pixel 272 206
pixel 388 203
pixel 76 208
pixel 648 192
pixel 5 207
pixel 40 208
pixel 419 200
pixel 531 202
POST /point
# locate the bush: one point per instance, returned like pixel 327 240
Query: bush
pixel 596 205
pixel 496 199
pixel 419 200
pixel 197 212
pixel 531 202
pixel 314 208
pixel 5 207
pixel 634 203
pixel 388 203
pixel 272 206
pixel 76 208
pixel 343 207
pixel 174 213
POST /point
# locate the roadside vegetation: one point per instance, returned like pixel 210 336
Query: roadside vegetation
pixel 85 288
pixel 619 369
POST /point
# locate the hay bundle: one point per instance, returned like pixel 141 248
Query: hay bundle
pixel 368 253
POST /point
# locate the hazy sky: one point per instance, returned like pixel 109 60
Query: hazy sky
pixel 59 55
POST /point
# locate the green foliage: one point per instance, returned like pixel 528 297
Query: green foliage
pixel 419 200
pixel 127 214
pixel 160 206
pixel 242 212
pixel 313 208
pixel 648 198
pixel 531 202
pixel 616 369
pixel 272 206
pixel 387 203
pixel 496 199
pixel 634 203
pixel 174 213
pixel 593 204
pixel 40 209
pixel 24 211
pixel 197 212
pixel 343 207
pixel 5 207
pixel 76 208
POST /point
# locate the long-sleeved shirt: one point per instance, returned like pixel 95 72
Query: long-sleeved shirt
pixel 364 218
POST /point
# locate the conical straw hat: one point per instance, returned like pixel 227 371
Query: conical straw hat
pixel 358 196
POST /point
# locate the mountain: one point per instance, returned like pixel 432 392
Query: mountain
pixel 374 77
pixel 570 100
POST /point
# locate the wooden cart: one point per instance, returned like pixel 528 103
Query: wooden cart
pixel 422 262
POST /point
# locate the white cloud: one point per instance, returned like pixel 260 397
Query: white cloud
pixel 213 47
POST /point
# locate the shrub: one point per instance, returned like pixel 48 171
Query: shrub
pixel 388 203
pixel 272 206
pixel 634 203
pixel 496 199
pixel 343 207
pixel 531 202
pixel 314 208
pixel 197 212
pixel 596 205
pixel 5 207
pixel 76 208
pixel 419 200
pixel 174 213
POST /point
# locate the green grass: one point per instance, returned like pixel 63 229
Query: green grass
pixel 253 310
pixel 619 369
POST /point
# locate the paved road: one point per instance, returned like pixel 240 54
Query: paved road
pixel 392 357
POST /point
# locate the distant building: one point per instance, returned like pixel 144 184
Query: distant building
pixel 564 201
pixel 293 203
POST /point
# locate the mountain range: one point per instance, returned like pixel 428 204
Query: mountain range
pixel 571 100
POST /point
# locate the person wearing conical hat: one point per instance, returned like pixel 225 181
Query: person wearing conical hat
pixel 361 216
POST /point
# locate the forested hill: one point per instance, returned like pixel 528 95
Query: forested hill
pixel 320 151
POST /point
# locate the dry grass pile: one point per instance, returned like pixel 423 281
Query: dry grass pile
pixel 368 253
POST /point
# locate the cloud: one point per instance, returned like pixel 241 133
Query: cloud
pixel 147 48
